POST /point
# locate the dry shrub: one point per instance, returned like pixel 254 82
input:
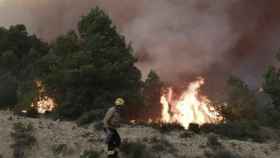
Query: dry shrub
pixel 240 130
pixel 213 141
pixel 90 154
pixel 221 153
pixel 63 149
pixel 164 145
pixel 165 127
pixel 23 136
pixel 135 150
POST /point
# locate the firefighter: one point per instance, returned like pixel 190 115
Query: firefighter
pixel 111 122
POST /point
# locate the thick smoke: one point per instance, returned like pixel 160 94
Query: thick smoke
pixel 180 39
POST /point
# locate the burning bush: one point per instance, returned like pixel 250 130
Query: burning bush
pixel 42 103
pixel 191 107
pixel 19 52
pixel 80 72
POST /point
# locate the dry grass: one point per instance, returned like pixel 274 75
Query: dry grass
pixel 23 139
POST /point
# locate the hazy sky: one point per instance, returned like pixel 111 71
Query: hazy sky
pixel 180 39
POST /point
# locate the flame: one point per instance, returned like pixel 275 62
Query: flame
pixel 43 103
pixel 189 108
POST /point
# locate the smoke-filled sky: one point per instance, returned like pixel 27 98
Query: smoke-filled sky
pixel 179 39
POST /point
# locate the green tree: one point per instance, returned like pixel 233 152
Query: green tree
pixel 271 85
pixel 92 70
pixel 66 44
pixel 241 101
pixel 8 91
pixel 8 60
pixel 152 94
pixel 19 52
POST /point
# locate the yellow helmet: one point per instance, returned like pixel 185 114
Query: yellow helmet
pixel 119 102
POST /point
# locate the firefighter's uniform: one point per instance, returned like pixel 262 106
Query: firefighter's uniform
pixel 111 122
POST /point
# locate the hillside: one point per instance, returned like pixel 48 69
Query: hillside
pixel 58 139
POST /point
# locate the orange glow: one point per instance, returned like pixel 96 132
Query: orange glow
pixel 189 108
pixel 43 103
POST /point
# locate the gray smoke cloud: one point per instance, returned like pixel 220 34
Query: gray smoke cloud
pixel 180 39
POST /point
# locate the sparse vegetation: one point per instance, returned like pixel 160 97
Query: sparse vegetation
pixel 57 149
pixel 62 149
pixel 187 134
pixel 90 154
pixel 217 150
pixel 241 130
pixel 23 136
pixel 213 141
pixel 135 150
pixel 163 145
pixel 221 153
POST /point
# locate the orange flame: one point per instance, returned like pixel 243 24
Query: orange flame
pixel 189 108
pixel 43 103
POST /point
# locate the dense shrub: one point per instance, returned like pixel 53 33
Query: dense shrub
pixel 8 91
pixel 240 102
pixel 271 85
pixel 152 91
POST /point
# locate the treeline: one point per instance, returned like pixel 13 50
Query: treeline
pixel 83 71
pixel 252 106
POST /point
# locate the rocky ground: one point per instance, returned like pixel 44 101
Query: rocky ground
pixel 58 139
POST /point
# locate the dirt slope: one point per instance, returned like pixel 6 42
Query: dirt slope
pixel 57 139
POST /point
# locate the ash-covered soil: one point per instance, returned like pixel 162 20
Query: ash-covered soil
pixel 59 139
